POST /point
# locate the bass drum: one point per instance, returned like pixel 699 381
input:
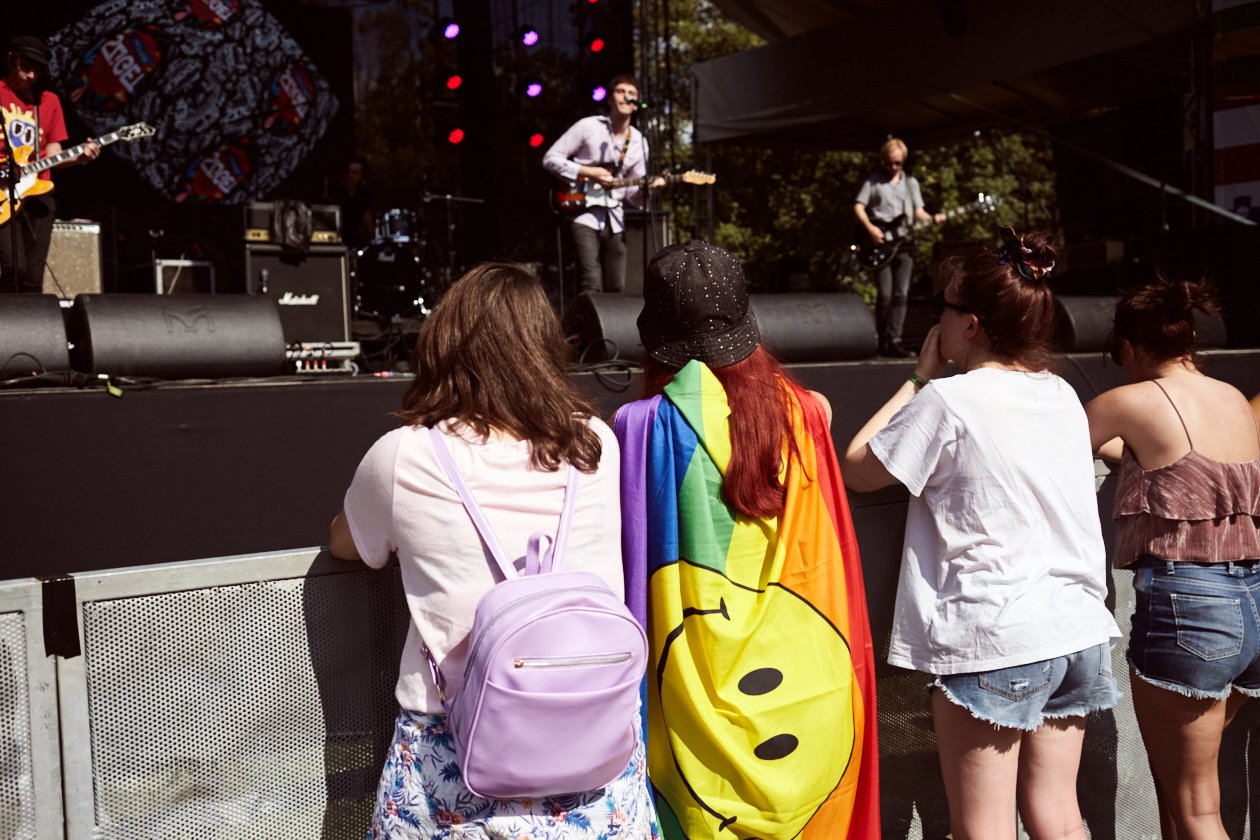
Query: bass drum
pixel 391 283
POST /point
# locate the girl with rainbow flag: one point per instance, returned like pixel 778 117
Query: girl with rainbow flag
pixel 737 533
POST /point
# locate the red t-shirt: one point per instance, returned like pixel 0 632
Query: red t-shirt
pixel 19 122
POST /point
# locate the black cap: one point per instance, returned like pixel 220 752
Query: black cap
pixel 695 306
pixel 31 48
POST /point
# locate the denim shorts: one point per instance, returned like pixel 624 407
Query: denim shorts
pixel 1196 628
pixel 1024 696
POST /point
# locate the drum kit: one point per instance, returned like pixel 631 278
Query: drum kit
pixel 391 283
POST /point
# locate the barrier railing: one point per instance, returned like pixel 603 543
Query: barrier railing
pixel 252 697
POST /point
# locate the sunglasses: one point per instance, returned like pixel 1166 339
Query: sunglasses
pixel 939 305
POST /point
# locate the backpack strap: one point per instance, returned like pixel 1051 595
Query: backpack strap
pixel 542 554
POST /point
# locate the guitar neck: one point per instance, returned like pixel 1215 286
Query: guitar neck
pixel 639 182
pixel 65 155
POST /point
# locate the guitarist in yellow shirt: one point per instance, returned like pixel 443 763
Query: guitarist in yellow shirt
pixel 34 127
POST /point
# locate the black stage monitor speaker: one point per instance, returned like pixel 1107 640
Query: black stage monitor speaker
pixel 32 335
pixel 177 336
pixel 607 327
pixel 809 327
pixel 1083 323
pixel 795 327
pixel 311 289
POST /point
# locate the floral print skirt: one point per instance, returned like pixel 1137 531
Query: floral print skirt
pixel 422 797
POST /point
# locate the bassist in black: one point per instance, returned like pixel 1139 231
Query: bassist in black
pixel 890 201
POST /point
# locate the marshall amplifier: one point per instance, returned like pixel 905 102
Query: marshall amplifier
pixel 310 289
pixel 325 223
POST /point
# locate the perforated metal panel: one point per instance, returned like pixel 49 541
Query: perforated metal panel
pixel 255 710
pixel 17 801
pixel 30 769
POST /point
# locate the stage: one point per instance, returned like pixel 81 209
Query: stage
pixel 179 472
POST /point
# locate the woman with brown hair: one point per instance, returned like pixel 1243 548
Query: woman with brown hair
pixel 491 378
pixel 1002 588
pixel 1187 514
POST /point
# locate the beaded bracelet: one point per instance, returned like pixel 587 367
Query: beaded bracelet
pixel 918 381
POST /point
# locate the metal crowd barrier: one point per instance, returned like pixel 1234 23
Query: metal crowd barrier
pixel 252 697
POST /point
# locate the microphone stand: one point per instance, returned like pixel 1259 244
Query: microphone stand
pixel 447 200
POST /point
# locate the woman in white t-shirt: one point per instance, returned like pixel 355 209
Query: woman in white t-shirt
pixel 1001 595
pixel 490 375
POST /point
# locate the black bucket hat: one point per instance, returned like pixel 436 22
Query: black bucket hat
pixel 695 306
pixel 31 48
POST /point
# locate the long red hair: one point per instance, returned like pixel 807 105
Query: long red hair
pixel 761 421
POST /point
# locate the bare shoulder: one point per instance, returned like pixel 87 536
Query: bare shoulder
pixel 826 406
pixel 1255 407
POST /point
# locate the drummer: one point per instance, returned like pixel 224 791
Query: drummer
pixel 350 190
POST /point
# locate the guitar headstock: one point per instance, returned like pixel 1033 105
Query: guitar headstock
pixel 134 132
pixel 694 177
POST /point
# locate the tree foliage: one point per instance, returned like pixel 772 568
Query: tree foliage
pixel 788 214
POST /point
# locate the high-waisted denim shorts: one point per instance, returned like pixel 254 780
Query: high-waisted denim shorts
pixel 1024 696
pixel 1196 628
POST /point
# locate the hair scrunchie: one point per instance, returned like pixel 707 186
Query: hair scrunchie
pixel 1014 252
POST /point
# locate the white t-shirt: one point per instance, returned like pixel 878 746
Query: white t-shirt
pixel 401 500
pixel 1004 562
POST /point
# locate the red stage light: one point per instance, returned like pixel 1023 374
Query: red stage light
pixel 453 81
pixel 456 137
pixel 536 139
pixel 596 44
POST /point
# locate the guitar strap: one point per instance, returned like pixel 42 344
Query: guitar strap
pixel 907 206
pixel 625 147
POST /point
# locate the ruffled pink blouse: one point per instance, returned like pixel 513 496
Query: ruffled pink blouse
pixel 1194 509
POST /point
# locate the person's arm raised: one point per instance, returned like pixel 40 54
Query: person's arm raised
pixel 864 472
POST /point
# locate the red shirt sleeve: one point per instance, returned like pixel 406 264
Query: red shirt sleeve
pixel 52 122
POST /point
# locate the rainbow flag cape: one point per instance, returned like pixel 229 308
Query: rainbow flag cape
pixel 761 678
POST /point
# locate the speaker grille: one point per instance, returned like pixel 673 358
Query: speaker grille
pixel 74 260
pixel 17 800
pixel 234 712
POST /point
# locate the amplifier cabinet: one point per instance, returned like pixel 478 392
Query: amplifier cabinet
pixel 311 289
pixel 74 260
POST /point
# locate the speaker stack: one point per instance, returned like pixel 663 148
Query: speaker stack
pixel 311 289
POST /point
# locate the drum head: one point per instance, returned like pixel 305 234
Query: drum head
pixel 391 282
pixel 397 226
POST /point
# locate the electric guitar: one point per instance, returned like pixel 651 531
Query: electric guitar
pixel 29 182
pixel 570 198
pixel 899 233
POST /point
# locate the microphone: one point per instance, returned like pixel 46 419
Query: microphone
pixel 638 103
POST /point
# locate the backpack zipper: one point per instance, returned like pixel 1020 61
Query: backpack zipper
pixel 472 654
pixel 570 661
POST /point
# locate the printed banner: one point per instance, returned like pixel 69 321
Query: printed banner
pixel 235 102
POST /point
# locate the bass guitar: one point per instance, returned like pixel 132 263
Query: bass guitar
pixel 899 233
pixel 570 198
pixel 29 182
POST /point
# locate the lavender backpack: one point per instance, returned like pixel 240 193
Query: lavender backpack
pixel 547 705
